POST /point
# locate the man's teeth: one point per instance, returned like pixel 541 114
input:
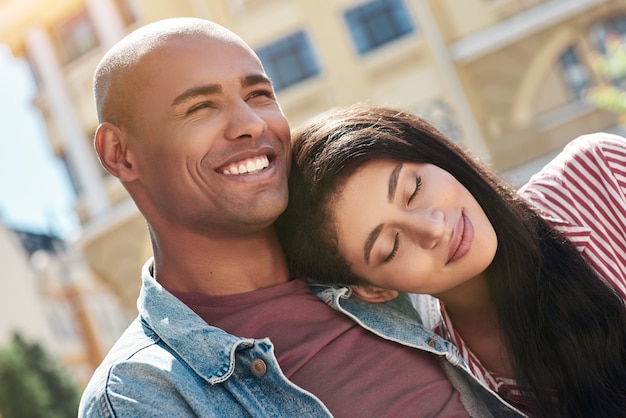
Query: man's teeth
pixel 250 166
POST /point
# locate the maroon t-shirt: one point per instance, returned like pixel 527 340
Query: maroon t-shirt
pixel 354 372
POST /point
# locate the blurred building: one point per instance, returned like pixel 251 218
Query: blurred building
pixel 506 78
pixel 20 307
pixel 49 296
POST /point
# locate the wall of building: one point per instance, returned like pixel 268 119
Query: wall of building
pixel 20 307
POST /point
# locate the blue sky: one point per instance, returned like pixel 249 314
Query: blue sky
pixel 35 193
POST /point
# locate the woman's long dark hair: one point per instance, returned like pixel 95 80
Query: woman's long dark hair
pixel 565 330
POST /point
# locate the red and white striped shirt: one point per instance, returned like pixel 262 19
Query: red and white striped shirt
pixel 582 193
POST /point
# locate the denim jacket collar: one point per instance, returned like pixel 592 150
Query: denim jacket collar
pixel 397 320
pixel 397 317
pixel 191 338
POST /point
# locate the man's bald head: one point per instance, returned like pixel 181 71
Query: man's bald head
pixel 118 75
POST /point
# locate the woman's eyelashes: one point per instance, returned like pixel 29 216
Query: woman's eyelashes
pixel 396 239
pixel 418 186
pixel 394 250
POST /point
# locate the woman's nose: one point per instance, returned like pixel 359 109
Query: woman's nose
pixel 428 227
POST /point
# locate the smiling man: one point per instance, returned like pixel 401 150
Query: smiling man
pixel 190 125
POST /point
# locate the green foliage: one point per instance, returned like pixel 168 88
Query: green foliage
pixel 608 98
pixel 611 70
pixel 32 384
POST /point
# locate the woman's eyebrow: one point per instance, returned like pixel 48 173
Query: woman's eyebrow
pixel 393 182
pixel 369 242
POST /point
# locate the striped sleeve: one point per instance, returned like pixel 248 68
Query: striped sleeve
pixel 582 192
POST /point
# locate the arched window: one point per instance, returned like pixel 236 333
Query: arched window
pixel 575 74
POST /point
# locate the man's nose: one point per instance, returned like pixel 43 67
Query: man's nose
pixel 244 122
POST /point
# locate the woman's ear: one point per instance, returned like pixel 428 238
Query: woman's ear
pixel 110 145
pixel 373 294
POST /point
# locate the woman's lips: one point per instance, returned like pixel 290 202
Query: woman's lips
pixel 461 239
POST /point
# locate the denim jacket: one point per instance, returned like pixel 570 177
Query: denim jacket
pixel 169 362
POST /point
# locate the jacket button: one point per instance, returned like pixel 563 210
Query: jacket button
pixel 258 367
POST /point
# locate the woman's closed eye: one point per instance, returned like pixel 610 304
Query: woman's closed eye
pixel 394 250
pixel 418 186
pixel 396 239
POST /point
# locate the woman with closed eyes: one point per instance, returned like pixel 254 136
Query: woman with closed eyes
pixel 530 285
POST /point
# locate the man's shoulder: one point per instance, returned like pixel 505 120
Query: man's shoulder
pixel 132 345
pixel 138 365
pixel 138 344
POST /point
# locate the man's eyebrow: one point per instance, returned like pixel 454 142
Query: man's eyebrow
pixel 391 191
pixel 251 80
pixel 208 89
pixel 197 91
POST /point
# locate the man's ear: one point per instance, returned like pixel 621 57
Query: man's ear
pixel 111 147
pixel 373 294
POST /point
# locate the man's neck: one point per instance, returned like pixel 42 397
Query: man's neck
pixel 199 264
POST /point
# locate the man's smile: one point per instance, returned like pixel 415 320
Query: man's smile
pixel 246 166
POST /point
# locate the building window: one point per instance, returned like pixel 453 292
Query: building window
pixel 574 72
pixel 289 60
pixel 75 37
pixel 376 23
